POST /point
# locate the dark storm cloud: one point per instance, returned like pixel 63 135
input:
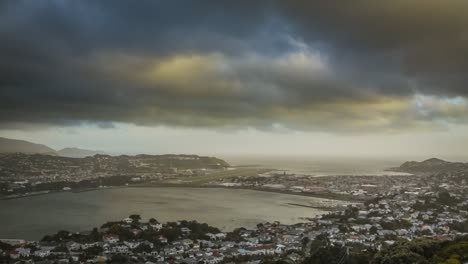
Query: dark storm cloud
pixel 323 65
pixel 426 41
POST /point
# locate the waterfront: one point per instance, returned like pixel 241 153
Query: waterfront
pixel 33 217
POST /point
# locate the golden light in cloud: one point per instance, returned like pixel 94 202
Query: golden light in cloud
pixel 292 90
pixel 182 71
pixel 383 114
pixel 191 75
pixel 213 74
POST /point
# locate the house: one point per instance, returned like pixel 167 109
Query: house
pixel 252 240
pixel 127 220
pixel 24 252
pixel 135 231
pixel 14 242
pixel 73 246
pixel 110 238
pixel 402 232
pixel 206 243
pixel 189 261
pixel 243 233
pixel 20 252
pixel 162 239
pixel 220 236
pixel 131 245
pixel 294 257
pixel 120 249
pixel 280 249
pixel 363 213
pixel 185 230
pixel 156 226
pixel 147 243
pixel 186 242
pixel 228 244
pixel 42 253
pixel 90 245
pixel 211 236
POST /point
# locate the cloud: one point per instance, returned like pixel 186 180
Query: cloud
pixel 302 65
pixel 422 41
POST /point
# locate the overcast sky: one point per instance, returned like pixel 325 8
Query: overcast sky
pixel 300 77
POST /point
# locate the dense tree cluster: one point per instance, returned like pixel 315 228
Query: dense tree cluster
pixel 171 231
pixel 420 251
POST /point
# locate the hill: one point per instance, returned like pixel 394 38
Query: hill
pixel 8 145
pixel 13 165
pixel 78 153
pixel 432 165
pixel 13 145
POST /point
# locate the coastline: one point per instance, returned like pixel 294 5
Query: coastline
pixel 329 196
pixel 27 195
pixel 57 191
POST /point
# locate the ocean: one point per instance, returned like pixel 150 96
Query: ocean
pixel 320 166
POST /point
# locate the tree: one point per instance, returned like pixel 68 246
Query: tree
pixel 445 198
pixel 452 260
pixel 95 235
pixel 109 224
pixel 115 229
pixel 327 255
pixel 343 229
pixel 460 226
pixel 320 242
pixel 93 251
pixel 118 259
pixel 416 251
pixel 305 241
pixel 143 248
pixel 135 217
pixel 351 211
pixel 5 246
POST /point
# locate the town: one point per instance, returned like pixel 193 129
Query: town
pixel 368 228
pixel 431 175
pixel 225 132
pixel 32 174
pixel 383 213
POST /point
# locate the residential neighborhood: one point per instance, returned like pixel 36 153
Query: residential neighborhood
pixel 371 226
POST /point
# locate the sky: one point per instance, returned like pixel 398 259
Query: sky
pixel 300 77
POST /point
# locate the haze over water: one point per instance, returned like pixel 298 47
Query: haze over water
pixel 316 166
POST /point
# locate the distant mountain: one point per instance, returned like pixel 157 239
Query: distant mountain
pixel 13 145
pixel 8 145
pixel 78 153
pixel 432 165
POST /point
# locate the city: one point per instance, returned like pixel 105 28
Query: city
pixel 384 211
pixel 225 132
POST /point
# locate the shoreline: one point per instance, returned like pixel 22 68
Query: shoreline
pixel 57 191
pixel 328 196
pixel 27 195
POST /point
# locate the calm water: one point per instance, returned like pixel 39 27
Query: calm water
pixel 33 217
pixel 321 166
